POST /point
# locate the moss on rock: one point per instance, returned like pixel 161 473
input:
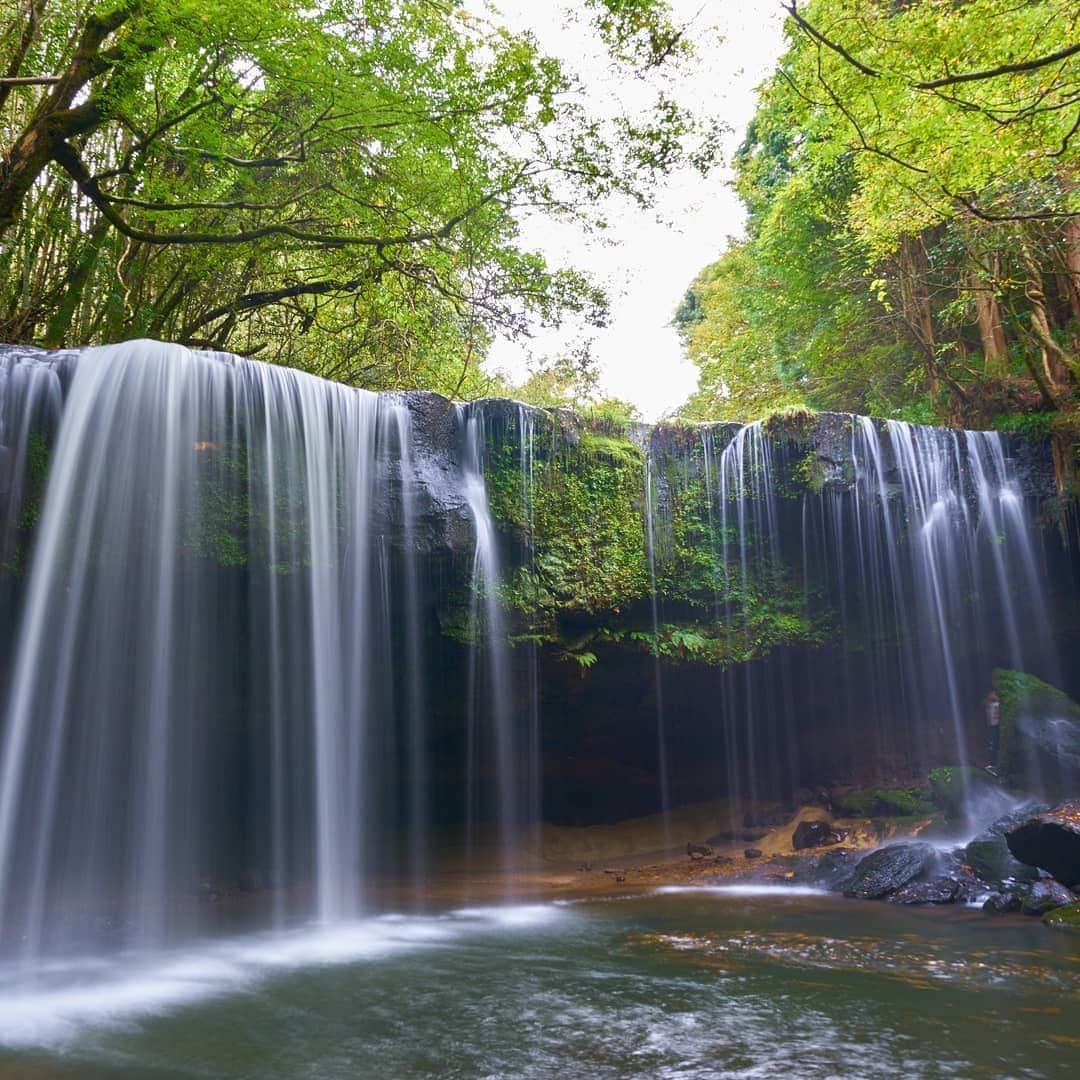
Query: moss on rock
pixel 1064 918
pixel 1023 695
pixel 911 803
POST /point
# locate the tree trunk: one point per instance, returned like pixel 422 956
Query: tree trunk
pixel 56 118
pixel 1056 362
pixel 1072 267
pixel 991 331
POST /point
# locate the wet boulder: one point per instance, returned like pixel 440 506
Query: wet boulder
pixel 1050 841
pixel 1064 918
pixel 883 802
pixel 1003 903
pixel 1046 896
pixel 753 853
pixel 811 834
pixel 1040 735
pixel 939 890
pixel 989 856
pixel 968 794
pixel 831 870
pixel 889 868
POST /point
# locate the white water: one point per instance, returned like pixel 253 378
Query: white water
pixel 71 996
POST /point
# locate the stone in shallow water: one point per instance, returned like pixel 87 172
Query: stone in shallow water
pixel 940 890
pixel 1003 903
pixel 1051 841
pixel 1064 918
pixel 887 869
pixel 810 834
pixel 1046 896
pixel 752 853
pixel 989 855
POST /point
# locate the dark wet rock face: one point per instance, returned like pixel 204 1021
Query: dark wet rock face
pixel 1040 737
pixel 1051 841
pixel 966 793
pixel 1046 896
pixel 1003 903
pixel 890 868
pixel 768 818
pixel 989 855
pixel 939 890
pixel 831 870
pixel 811 834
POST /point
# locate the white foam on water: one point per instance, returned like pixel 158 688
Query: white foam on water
pixel 749 889
pixel 68 997
pixel 510 915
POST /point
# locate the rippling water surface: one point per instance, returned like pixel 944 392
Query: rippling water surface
pixel 679 983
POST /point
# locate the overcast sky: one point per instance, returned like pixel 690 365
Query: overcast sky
pixel 650 263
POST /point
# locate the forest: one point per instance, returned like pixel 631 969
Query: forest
pixel 913 245
pixel 337 189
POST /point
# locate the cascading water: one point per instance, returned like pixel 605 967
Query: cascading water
pixel 926 558
pixel 658 679
pixel 493 708
pixel 215 639
pixel 268 633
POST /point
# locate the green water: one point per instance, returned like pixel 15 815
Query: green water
pixel 682 984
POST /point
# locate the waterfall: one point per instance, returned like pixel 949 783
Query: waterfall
pixel 263 633
pixel 928 561
pixel 493 707
pixel 658 679
pixel 215 636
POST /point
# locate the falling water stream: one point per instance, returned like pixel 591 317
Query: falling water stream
pixel 226 658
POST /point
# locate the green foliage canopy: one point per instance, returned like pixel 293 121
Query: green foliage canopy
pixel 337 187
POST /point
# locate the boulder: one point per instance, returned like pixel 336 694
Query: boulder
pixel 1046 896
pixel 809 834
pixel 968 794
pixel 989 856
pixel 889 868
pixel 1064 918
pixel 1003 903
pixel 1040 735
pixel 939 890
pixel 752 853
pixel 831 870
pixel 1050 841
pixel 884 802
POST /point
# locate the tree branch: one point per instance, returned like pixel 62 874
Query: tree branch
pixel 65 156
pixel 29 80
pixel 818 36
pixel 932 84
pixel 1003 69
pixel 254 300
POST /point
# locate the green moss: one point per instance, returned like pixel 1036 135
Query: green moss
pixel 951 785
pixel 793 423
pixel 621 452
pixel 585 562
pixel 1064 918
pixel 887 802
pixel 811 472
pixel 38 459
pixel 1018 693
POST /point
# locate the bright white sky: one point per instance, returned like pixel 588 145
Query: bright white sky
pixel 646 264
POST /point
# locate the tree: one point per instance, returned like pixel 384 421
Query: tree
pixel 914 239
pixel 335 187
